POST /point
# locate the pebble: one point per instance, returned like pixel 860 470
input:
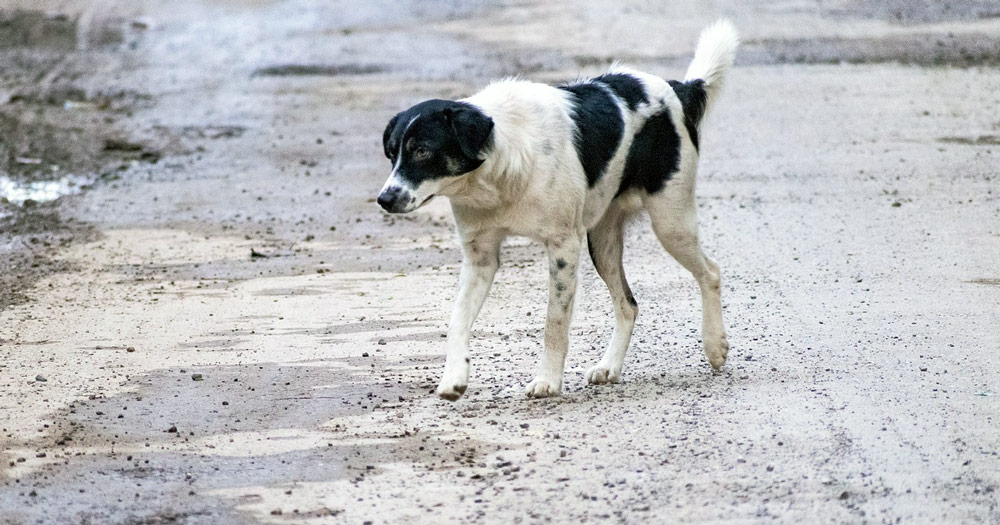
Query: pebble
pixel 197 377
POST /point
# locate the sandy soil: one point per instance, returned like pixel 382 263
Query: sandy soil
pixel 226 329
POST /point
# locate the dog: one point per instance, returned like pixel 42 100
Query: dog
pixel 564 164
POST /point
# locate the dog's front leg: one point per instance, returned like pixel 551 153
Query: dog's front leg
pixel 479 265
pixel 564 257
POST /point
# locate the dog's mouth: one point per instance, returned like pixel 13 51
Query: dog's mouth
pixel 429 197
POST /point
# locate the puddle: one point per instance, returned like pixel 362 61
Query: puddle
pixel 42 190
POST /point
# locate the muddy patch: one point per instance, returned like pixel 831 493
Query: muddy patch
pixel 250 429
pixel 37 29
pixel 34 30
pixel 914 11
pixel 292 70
pixel 929 50
pixel 982 140
pixel 47 152
pixel 57 137
pixel 211 132
pixel 69 97
pixel 30 238
pixel 923 50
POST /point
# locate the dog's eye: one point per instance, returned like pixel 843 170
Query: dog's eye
pixel 421 153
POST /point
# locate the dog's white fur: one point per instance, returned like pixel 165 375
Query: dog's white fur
pixel 532 184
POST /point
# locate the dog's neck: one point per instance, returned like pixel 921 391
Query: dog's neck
pixel 499 180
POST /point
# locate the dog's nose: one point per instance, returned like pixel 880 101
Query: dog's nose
pixel 389 197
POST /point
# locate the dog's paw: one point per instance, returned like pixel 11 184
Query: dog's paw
pixel 541 387
pixel 602 373
pixel 451 392
pixel 717 352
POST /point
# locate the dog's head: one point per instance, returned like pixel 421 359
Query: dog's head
pixel 429 145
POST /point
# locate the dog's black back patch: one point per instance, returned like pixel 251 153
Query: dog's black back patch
pixel 627 87
pixel 654 155
pixel 599 127
pixel 693 99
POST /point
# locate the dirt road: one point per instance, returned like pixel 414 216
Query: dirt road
pixel 226 329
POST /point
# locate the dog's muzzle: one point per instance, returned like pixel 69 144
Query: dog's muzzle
pixel 394 199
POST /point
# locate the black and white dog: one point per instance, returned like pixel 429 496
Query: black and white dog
pixel 560 164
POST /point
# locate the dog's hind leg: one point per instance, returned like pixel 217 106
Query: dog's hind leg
pixel 672 214
pixel 479 266
pixel 564 258
pixel 605 242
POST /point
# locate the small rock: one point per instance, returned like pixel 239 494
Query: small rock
pixel 894 205
pixel 844 495
pixel 225 403
pixel 40 378
pixel 130 349
pixel 364 354
pixel 142 22
pixel 172 429
pixel 382 342
pixel 197 377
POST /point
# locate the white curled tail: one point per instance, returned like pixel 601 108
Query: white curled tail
pixel 714 55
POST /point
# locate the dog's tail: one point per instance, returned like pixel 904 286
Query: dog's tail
pixel 714 55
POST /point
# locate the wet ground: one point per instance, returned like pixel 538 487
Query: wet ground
pixel 216 324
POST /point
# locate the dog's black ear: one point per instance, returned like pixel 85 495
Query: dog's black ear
pixel 472 129
pixel 388 133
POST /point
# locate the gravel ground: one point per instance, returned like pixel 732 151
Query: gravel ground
pixel 226 329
